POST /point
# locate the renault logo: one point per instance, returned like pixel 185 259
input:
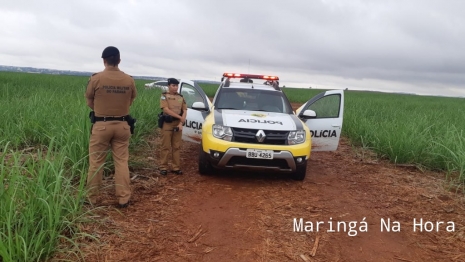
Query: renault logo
pixel 260 136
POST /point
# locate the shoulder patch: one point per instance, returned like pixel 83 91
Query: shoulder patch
pixel 90 78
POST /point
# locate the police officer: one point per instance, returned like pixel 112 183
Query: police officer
pixel 174 111
pixel 109 94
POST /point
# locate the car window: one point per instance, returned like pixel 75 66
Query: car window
pixel 326 107
pixel 190 94
pixel 258 100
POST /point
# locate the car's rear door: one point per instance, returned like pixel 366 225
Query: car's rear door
pixel 326 126
pixel 192 92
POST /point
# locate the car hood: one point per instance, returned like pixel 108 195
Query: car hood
pixel 257 120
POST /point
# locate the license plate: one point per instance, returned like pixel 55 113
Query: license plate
pixel 262 154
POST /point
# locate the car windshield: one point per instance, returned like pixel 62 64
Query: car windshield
pixel 253 99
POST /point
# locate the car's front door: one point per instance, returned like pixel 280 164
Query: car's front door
pixel 192 92
pixel 326 125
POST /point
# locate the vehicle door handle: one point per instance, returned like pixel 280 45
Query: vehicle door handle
pixel 336 125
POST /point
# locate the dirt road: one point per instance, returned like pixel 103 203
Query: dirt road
pixel 250 217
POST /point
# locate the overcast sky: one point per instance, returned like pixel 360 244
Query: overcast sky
pixel 387 45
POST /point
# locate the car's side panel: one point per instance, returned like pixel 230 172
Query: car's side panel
pixel 326 128
pixel 192 128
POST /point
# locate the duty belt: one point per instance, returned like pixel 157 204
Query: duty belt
pixel 107 118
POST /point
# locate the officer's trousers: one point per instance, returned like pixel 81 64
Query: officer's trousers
pixel 171 141
pixel 106 135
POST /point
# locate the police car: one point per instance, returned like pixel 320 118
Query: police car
pixel 250 125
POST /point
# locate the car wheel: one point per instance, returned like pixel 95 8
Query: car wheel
pixel 300 172
pixel 205 168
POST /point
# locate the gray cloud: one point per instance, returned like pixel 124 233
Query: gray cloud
pixel 381 45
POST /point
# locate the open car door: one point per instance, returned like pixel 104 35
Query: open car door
pixel 198 107
pixel 323 115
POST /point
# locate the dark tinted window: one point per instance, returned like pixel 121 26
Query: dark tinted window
pixel 253 99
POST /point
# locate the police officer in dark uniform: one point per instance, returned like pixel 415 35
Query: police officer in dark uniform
pixel 109 94
pixel 174 112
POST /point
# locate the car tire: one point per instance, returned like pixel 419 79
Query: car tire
pixel 205 168
pixel 300 173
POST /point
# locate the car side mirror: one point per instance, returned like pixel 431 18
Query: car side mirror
pixel 199 106
pixel 309 114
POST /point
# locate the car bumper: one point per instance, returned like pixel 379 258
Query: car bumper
pixel 231 155
pixel 236 158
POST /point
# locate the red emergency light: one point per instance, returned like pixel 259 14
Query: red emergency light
pixel 235 75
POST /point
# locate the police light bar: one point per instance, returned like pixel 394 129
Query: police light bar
pixel 235 75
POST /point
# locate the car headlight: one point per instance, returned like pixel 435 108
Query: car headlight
pixel 296 137
pixel 222 132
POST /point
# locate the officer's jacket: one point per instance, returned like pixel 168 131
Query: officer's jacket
pixel 112 91
pixel 174 102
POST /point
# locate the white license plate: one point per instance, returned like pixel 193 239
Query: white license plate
pixel 256 153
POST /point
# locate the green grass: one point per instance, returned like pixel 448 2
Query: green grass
pixel 44 137
pixel 210 89
pixel 39 205
pixel 299 95
pixel 408 129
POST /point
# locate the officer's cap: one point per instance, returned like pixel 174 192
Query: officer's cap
pixel 110 51
pixel 173 81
